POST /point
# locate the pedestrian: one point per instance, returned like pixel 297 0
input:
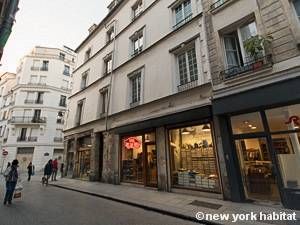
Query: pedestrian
pixel 62 169
pixel 54 170
pixel 47 172
pixel 8 165
pixel 30 171
pixel 11 177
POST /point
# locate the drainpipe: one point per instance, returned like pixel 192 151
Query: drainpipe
pixel 111 77
pixel 8 21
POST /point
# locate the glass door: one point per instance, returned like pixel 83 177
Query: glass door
pixel 151 165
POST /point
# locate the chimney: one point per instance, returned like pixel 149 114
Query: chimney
pixel 92 28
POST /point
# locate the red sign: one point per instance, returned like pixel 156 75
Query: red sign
pixel 132 142
pixel 4 153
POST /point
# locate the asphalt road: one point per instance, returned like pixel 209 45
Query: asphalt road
pixel 53 206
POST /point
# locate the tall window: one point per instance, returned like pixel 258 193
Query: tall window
pixel 62 56
pixel 296 4
pixel 33 79
pixel 65 84
pixel 137 8
pixel 23 134
pixel 236 55
pixel 187 66
pixel 35 65
pixel 183 13
pixel 137 42
pixel 42 80
pixel 84 80
pixel 110 34
pixel 87 55
pixel 108 64
pixel 79 112
pixel 67 70
pixel 63 101
pixel 135 84
pixel 103 101
pixel 39 99
pixel 45 65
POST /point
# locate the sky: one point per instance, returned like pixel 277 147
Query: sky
pixel 50 23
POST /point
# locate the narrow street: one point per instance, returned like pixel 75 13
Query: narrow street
pixel 52 206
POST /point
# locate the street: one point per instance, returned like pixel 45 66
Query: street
pixel 53 206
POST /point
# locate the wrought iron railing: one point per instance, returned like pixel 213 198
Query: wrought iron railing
pixel 58 139
pixel 35 68
pixel 44 68
pixel 27 139
pixel 187 86
pixel 28 101
pixel 60 121
pixel 183 21
pixel 24 120
pixel 250 66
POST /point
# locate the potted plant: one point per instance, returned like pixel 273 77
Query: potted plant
pixel 255 47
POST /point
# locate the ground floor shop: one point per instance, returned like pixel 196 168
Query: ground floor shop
pixel 261 143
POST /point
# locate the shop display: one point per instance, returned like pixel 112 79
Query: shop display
pixel 194 159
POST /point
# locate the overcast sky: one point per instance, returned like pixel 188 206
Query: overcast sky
pixel 52 23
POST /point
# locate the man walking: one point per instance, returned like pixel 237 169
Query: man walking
pixel 54 170
pixel 11 177
pixel 47 171
pixel 30 171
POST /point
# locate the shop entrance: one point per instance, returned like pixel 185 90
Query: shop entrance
pixel 82 169
pixel 139 162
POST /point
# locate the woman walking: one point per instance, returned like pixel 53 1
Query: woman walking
pixel 11 182
pixel 30 171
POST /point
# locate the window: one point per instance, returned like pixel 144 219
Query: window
pixel 103 101
pixel 45 65
pixel 30 97
pixel 217 3
pixel 79 113
pixel 67 70
pixel 137 41
pixel 1 92
pixel 296 4
pixel 37 114
pixel 62 56
pixel 43 80
pixel 87 55
pixel 62 101
pixel 108 64
pixel 187 66
pixel 39 99
pixel 110 34
pixel 137 8
pixel 22 136
pixel 84 80
pixel 183 13
pixel 35 66
pixel 135 87
pixel 33 79
pixel 60 117
pixel 65 84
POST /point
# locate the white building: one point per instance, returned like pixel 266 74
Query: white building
pixel 35 107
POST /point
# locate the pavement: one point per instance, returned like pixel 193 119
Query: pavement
pixel 50 205
pixel 182 205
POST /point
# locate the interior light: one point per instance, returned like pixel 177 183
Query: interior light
pixel 185 131
pixel 206 128
pixel 253 128
pixel 250 125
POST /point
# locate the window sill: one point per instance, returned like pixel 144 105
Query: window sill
pixel 183 22
pixel 187 86
pixel 214 8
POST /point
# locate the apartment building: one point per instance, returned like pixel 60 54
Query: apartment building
pixel 34 106
pixel 140 109
pixel 256 96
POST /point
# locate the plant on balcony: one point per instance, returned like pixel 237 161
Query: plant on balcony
pixel 256 46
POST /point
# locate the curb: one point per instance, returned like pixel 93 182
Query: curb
pixel 161 211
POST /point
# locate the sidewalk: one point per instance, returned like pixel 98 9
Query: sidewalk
pixel 179 205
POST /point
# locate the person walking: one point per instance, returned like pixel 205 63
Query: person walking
pixel 48 171
pixel 11 178
pixel 54 170
pixel 30 171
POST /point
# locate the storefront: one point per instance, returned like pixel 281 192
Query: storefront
pixel 83 158
pixel 261 142
pixel 139 159
pixel 193 158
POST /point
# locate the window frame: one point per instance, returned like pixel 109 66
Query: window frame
pixel 106 60
pixel 139 75
pixel 136 37
pixel 185 18
pixel 103 101
pixel 79 115
pixel 137 9
pixel 84 75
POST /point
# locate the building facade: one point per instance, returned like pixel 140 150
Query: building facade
pixel 256 96
pixel 34 107
pixel 168 94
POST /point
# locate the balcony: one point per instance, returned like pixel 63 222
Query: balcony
pixel 187 86
pixel 183 21
pixel 58 139
pixel 28 101
pixel 27 120
pixel 35 68
pixel 27 139
pixel 43 68
pixel 39 84
pixel 251 66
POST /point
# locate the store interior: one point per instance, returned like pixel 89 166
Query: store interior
pixel 193 158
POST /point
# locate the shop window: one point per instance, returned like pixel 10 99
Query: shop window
pixel 193 159
pixel 247 123
pixel 139 159
pixel 257 169
pixel 284 118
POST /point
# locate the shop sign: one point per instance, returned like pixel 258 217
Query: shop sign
pixel 294 119
pixel 132 142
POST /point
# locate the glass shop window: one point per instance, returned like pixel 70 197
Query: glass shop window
pixel 247 123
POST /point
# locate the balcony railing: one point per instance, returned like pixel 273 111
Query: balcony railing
pixel 187 86
pixel 251 66
pixel 60 121
pixel 28 101
pixel 27 139
pixel 137 51
pixel 39 84
pixel 218 4
pixel 58 139
pixel 27 120
pixel 183 21
pixel 35 68
pixel 43 68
